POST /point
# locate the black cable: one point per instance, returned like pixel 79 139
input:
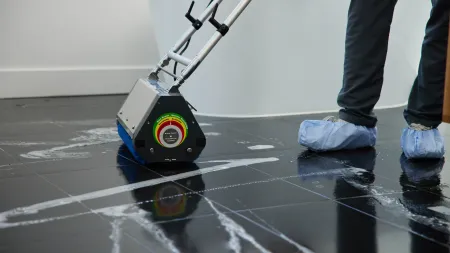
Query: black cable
pixel 184 50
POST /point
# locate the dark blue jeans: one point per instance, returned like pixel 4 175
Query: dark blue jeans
pixel 366 45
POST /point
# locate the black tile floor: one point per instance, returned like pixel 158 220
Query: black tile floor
pixel 68 185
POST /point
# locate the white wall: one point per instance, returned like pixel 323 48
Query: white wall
pixel 270 63
pixel 67 47
pixel 286 56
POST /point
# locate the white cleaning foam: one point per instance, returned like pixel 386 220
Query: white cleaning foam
pixel 116 234
pixel 157 233
pixel 235 230
pixel 26 144
pixel 260 147
pixel 21 164
pixel 98 134
pixel 91 137
pixel 212 134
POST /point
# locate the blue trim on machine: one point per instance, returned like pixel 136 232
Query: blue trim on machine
pixel 129 143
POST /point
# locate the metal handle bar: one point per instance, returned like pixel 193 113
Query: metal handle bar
pixel 222 30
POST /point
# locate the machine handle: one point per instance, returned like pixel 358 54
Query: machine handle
pixel 197 24
pixel 222 30
pixel 188 14
pixel 174 54
pixel 179 58
pixel 187 35
pixel 214 22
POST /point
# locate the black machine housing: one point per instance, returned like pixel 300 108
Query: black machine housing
pixel 157 124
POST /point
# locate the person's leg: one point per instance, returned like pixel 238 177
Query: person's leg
pixel 366 45
pixel 368 27
pixel 427 94
pixel 424 110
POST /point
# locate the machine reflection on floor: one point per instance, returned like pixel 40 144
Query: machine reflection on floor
pixel 166 202
pixel 68 184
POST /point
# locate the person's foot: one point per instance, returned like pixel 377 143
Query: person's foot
pixel 419 142
pixel 333 134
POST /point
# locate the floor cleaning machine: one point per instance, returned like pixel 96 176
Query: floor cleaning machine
pixel 156 123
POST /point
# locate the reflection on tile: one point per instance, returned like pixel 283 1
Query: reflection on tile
pixel 391 164
pixel 420 212
pixel 320 173
pixel 338 228
pixel 66 177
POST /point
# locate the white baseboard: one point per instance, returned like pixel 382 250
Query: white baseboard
pixel 50 82
pixel 78 81
pixel 244 116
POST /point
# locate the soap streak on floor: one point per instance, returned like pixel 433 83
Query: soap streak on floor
pixel 392 205
pixel 233 221
pixel 224 165
pixel 232 227
pixel 33 210
pixel 27 144
pixel 97 136
pixel 395 206
pixel 236 230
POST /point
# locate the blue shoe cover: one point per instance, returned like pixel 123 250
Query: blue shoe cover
pixel 419 144
pixel 324 135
